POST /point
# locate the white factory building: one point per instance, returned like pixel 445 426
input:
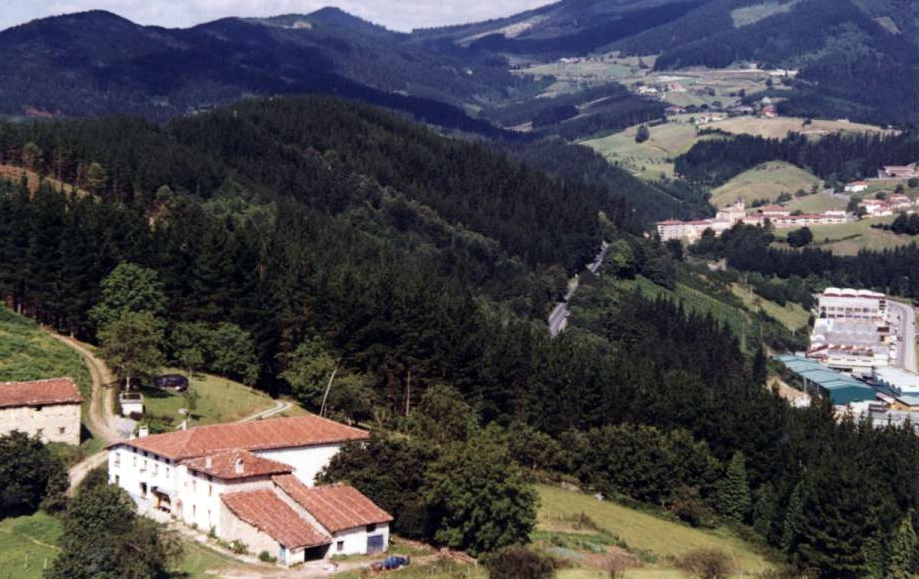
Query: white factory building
pixel 851 330
pixel 253 482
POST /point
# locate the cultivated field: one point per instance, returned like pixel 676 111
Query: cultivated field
pixel 765 181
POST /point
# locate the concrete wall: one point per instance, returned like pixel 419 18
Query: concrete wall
pixel 307 461
pixel 52 423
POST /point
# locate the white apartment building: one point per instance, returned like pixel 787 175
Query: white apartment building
pixel 253 482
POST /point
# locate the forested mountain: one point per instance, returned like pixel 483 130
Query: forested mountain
pixel 856 58
pixel 96 63
pixel 416 263
pixel 853 57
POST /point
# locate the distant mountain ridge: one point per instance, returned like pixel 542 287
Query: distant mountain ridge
pixel 857 58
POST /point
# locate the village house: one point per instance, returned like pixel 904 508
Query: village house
pixel 899 202
pixel 899 171
pixel 856 186
pixel 253 482
pixel 876 207
pixel 48 409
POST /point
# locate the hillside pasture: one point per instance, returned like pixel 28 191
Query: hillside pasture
pixel 219 400
pixel 850 238
pixel 657 538
pixel 765 181
pixel 652 158
pixel 779 127
pixel 28 353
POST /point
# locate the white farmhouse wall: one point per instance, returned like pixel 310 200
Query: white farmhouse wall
pixel 50 423
pixel 139 473
pixel 306 461
pixel 354 541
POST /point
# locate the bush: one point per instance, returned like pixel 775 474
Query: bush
pixel 265 557
pixel 643 134
pixel 707 564
pixel 518 562
pixel 238 547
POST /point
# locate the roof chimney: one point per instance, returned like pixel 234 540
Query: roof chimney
pixel 208 463
pixel 239 465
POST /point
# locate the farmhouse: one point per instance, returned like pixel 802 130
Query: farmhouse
pixel 253 482
pixel 48 409
pixel 899 171
pixel 856 186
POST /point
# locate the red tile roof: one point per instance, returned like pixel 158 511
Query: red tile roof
pixel 39 392
pixel 336 507
pixel 265 511
pixel 265 434
pixel 236 464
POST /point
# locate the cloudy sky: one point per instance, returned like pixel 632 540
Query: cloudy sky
pixel 395 14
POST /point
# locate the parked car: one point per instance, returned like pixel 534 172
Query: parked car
pixel 391 563
pixel 175 382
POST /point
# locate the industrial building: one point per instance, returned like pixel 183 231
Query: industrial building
pixel 820 380
pixel 896 381
pixel 851 331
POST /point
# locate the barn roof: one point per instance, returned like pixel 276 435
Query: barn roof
pixel 39 392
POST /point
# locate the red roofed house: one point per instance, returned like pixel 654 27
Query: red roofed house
pixel 239 480
pixel 48 409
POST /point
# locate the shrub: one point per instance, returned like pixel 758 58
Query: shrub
pixel 238 547
pixel 264 556
pixel 707 564
pixel 518 562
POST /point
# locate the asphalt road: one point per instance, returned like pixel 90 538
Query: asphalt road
pixel 558 319
pixel 905 317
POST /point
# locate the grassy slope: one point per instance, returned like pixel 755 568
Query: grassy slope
pixel 220 400
pixel 649 159
pixel 20 555
pixel 696 301
pixel 665 539
pixel 765 181
pixel 27 353
pixel 792 315
pixel 850 238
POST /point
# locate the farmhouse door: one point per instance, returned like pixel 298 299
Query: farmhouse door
pixel 374 544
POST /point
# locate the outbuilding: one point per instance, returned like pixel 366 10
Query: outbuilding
pixel 48 409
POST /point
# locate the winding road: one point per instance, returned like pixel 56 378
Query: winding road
pixel 558 319
pixel 101 415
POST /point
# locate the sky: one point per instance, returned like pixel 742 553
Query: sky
pixel 394 14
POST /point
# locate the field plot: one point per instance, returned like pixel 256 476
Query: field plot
pixel 791 315
pixel 850 238
pixel 765 181
pixel 219 400
pixel 659 538
pixel 655 156
pixel 28 545
pixel 778 128
pixel 651 158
